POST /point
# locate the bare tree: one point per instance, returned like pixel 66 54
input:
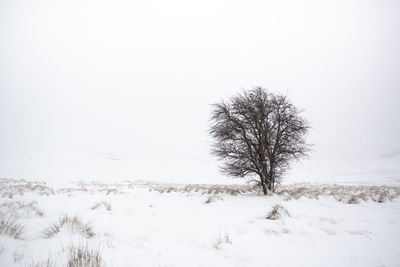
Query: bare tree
pixel 258 133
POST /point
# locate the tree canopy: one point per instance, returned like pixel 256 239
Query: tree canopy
pixel 258 133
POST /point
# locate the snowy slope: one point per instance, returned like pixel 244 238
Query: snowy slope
pixel 147 224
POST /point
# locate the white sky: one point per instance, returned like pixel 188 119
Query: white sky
pixel 121 89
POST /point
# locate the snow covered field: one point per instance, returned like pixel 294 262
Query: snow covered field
pixel 149 224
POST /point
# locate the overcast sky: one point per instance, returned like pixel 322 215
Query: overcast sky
pixel 122 89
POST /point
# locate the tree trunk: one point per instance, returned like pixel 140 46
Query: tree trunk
pixel 271 179
pixel 265 189
pixel 263 184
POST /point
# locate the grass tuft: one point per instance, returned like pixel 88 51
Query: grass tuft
pixel 104 204
pixel 222 239
pixel 11 227
pixel 83 256
pixel 72 224
pixel 213 198
pixel 277 213
pixel 354 200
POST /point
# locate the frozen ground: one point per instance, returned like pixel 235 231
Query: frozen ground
pixel 148 224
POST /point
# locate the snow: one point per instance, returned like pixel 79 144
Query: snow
pixel 146 226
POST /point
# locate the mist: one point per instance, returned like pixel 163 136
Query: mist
pixel 122 89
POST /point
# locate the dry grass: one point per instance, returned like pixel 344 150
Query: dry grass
pixel 84 256
pixel 104 204
pixel 71 224
pixel 11 187
pixel 78 256
pixel 126 186
pixel 20 209
pixel 221 240
pixel 277 232
pixel 354 199
pixel 95 187
pixel 48 263
pixel 213 198
pixel 204 189
pixel 343 193
pixel 277 213
pixel 12 228
pixel 109 191
pixel 18 256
